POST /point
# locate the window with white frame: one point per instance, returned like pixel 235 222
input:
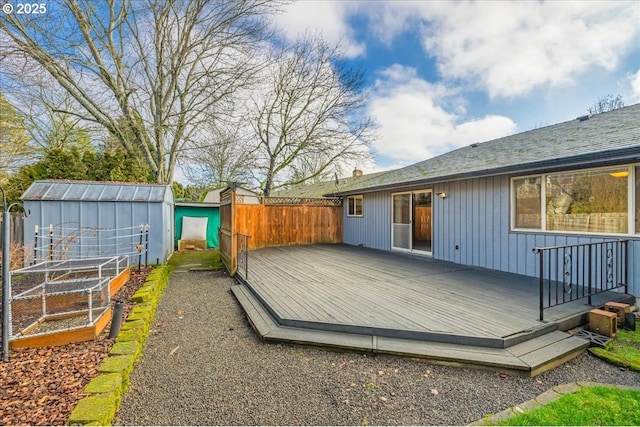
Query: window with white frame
pixel 637 194
pixel 582 201
pixel 354 205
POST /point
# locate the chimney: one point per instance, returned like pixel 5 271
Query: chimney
pixel 357 173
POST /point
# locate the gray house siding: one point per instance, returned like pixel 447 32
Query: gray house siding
pixel 373 229
pixel 475 217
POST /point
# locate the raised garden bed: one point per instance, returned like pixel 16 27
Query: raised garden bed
pixel 41 386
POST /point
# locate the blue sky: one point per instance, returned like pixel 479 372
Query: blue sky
pixel 447 74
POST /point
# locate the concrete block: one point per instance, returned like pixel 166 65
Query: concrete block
pixel 619 308
pixel 603 322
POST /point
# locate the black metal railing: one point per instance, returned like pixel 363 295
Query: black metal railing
pixel 572 272
pixel 243 255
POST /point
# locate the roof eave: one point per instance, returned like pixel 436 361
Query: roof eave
pixel 631 154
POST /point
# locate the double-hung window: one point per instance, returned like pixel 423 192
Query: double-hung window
pixel 602 200
pixel 354 205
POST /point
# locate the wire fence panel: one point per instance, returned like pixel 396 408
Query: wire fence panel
pixel 60 295
pixel 60 242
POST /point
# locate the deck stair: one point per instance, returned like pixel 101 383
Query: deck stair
pixel 526 355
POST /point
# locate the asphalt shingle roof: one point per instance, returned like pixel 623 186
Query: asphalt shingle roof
pixel 319 189
pixel 582 140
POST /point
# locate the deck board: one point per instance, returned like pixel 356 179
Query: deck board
pixel 546 352
pixel 352 286
pixel 383 302
pixel 346 288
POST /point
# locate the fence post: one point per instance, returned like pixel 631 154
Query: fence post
pixel 35 246
pixel 51 242
pixel 146 245
pixel 6 286
pixel 232 236
pixel 625 247
pixel 541 283
pixel 590 276
pixel 140 247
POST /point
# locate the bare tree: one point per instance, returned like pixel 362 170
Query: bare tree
pixel 223 155
pixel 607 103
pixel 143 70
pixel 49 126
pixel 310 117
pixel 14 140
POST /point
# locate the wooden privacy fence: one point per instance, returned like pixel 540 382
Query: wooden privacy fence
pixel 276 221
pixel 422 223
pixel 16 228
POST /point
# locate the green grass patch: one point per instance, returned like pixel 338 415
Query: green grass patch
pixel 209 260
pixel 590 406
pixel 622 351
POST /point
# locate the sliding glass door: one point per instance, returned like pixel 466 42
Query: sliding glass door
pixel 401 228
pixel 411 221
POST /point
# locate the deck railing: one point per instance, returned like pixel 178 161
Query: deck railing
pixel 243 255
pixel 572 272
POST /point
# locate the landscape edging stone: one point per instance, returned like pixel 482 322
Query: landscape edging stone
pixel 100 407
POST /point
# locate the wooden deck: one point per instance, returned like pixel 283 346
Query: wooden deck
pixel 372 300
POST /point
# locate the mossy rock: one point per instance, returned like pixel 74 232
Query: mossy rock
pixel 141 295
pixel 157 274
pixel 144 311
pixel 99 409
pixel 139 325
pixel 142 316
pixel 106 383
pixel 116 364
pixel 126 348
pixel 149 306
pixel 131 335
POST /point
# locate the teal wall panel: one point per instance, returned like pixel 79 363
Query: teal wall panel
pixel 213 213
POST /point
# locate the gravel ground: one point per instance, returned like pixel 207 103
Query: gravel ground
pixel 204 365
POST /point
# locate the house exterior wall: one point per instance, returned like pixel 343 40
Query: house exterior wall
pixel 475 217
pixel 373 229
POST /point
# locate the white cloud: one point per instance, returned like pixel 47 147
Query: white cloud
pixel 634 79
pixel 510 48
pixel 328 18
pixel 415 121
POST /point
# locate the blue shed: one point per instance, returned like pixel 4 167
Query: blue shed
pixel 81 219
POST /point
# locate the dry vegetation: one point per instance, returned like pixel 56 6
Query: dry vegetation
pixel 16 256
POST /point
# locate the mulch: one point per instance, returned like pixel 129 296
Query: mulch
pixel 41 386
